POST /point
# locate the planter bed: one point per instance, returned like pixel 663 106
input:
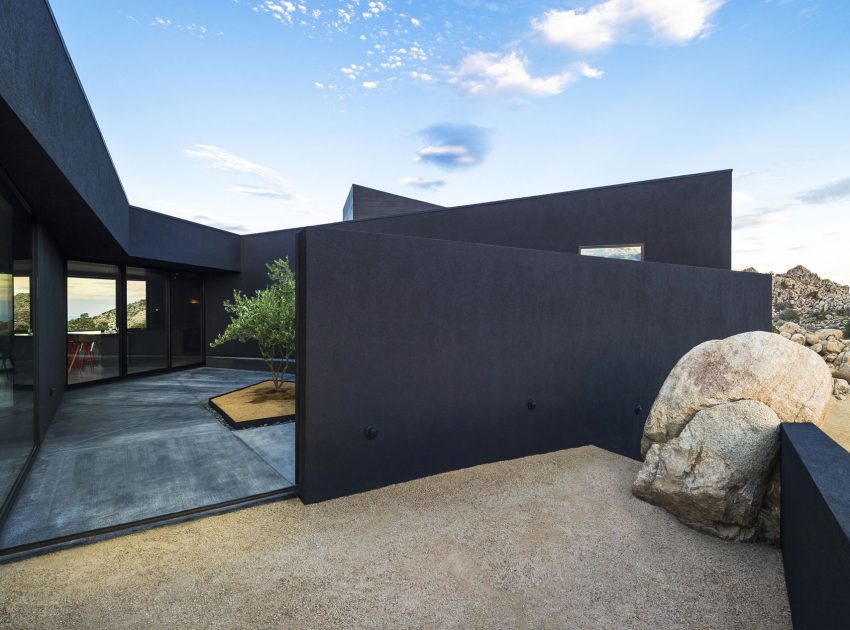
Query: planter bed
pixel 256 405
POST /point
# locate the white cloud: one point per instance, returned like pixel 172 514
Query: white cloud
pixel 415 22
pixel 741 197
pixel 423 76
pixel 266 182
pixel 369 85
pixel 586 70
pixel 605 23
pixel 489 73
pixel 419 182
pixel 758 218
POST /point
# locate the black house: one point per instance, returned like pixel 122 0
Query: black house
pixel 478 332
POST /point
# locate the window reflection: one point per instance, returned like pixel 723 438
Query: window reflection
pixel 186 319
pixel 16 344
pixel 92 337
pixel 622 252
pixel 147 330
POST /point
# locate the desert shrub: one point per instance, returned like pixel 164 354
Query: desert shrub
pixel 790 315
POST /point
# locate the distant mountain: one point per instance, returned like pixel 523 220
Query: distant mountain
pixel 802 296
pixel 136 318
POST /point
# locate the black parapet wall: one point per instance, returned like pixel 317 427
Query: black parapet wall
pixel 367 203
pixel 458 354
pixel 815 526
pixel 167 240
pixel 685 220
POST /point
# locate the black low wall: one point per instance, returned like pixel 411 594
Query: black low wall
pixel 441 345
pixel 815 523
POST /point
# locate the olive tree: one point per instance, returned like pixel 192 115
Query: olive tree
pixel 267 317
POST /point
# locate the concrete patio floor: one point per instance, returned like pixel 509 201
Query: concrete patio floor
pixel 552 541
pixel 145 447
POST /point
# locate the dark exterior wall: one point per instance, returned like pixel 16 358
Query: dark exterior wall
pixel 39 85
pixel 367 203
pixel 815 524
pixel 441 344
pixel 165 239
pixel 49 324
pixel 257 250
pixel 681 220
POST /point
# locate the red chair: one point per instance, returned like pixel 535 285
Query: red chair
pixel 73 349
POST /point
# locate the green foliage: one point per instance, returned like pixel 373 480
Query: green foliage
pixel 267 317
pixel 812 295
pixel 783 283
pixel 83 322
pixel 774 328
pixel 847 330
pixel 790 315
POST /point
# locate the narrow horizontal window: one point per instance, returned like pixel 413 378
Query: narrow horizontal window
pixel 623 252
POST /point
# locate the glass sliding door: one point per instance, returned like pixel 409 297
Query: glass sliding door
pixel 93 342
pixel 187 318
pixel 17 435
pixel 147 320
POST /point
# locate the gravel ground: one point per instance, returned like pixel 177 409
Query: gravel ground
pixel 549 541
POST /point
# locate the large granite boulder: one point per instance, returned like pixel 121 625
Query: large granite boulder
pixel 712 436
pixel 788 378
pixel 714 474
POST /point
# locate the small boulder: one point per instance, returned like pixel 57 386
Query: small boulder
pixel 798 338
pixel 833 346
pixel 812 339
pixel 841 389
pixel 790 328
pixel 818 347
pixel 713 476
pixel 842 361
pixel 825 333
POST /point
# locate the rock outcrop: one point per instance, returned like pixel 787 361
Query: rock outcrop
pixel 817 301
pixel 712 436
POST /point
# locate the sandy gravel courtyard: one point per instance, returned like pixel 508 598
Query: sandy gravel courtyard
pixel 552 541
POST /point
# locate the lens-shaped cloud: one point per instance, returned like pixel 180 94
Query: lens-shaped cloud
pixel 452 146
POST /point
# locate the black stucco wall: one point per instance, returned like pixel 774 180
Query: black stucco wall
pixel 49 327
pixel 683 220
pixel 815 525
pixel 441 344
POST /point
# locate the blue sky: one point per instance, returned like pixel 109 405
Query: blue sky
pixel 255 115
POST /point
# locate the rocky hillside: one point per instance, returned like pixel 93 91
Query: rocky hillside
pixel 803 297
pixel 136 318
pixel 22 312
